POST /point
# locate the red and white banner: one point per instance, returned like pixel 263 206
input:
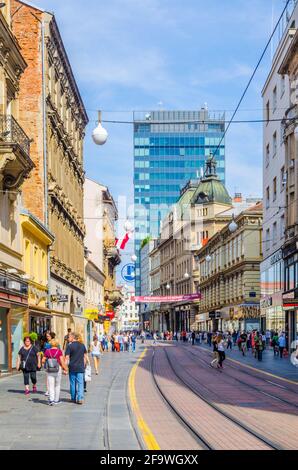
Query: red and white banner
pixel 121 243
pixel 165 299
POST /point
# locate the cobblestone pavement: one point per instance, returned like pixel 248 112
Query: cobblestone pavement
pixel 103 422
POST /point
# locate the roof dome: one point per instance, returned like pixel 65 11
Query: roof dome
pixel 210 188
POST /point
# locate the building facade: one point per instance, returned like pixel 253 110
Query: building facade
pixel 15 166
pixel 53 113
pixel 128 315
pixel 276 99
pixel 170 148
pixel 229 275
pixel 145 261
pixel 289 67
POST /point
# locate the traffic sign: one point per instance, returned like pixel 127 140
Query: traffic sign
pixel 128 272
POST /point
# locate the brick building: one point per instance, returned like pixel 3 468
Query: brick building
pixel 53 114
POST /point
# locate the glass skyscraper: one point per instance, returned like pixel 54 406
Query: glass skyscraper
pixel 170 148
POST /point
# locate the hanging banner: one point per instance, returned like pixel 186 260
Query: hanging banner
pixel 165 299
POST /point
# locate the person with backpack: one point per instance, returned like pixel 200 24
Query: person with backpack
pixel 54 363
pixel 28 362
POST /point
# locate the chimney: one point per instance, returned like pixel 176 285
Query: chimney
pixel 237 197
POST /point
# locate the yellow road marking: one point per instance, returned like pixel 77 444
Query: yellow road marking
pixel 147 434
pixel 257 370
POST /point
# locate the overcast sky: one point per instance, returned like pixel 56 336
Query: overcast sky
pixel 132 54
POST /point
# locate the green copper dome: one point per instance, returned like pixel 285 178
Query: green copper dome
pixel 210 188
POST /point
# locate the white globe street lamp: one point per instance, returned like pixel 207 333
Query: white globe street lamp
pixel 233 226
pixel 208 258
pixel 128 226
pixel 134 258
pixel 168 286
pixel 99 134
pixel 186 275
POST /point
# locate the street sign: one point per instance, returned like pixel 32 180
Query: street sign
pixel 128 273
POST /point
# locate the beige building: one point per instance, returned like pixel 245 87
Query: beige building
pixel 289 68
pixel 15 166
pixel 229 275
pixel 53 114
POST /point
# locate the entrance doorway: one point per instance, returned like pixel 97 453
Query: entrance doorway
pixel 3 340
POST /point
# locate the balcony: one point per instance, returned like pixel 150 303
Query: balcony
pixel 15 161
pixel 8 284
pixel 113 255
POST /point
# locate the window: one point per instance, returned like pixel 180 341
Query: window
pixel 267 239
pixel 267 111
pixel 274 144
pixel 274 189
pixel 274 232
pixel 282 226
pixel 274 99
pixel 283 180
pixel 267 197
pixel 267 154
pixel 282 85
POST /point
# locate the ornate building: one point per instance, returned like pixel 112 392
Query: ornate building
pixel 229 275
pixel 289 67
pixel 53 114
pixel 15 167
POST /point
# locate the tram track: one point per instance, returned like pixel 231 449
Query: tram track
pixel 253 387
pixel 189 428
pixel 205 442
pixel 244 427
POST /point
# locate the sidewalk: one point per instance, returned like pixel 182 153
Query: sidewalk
pixel 29 423
pixel 274 365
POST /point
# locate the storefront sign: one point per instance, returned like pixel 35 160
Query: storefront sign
pixel 276 257
pixel 60 298
pixel 166 299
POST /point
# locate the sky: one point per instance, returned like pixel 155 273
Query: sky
pixel 135 54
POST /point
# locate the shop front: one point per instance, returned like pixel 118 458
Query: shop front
pixel 244 317
pixel 13 320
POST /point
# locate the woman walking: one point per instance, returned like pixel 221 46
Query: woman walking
pixel 221 350
pixel 28 362
pixel 95 353
pixel 259 346
pixel 215 352
pixel 54 363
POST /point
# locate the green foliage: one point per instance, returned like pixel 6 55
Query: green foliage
pixel 145 241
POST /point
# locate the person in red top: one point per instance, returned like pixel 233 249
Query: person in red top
pixel 54 378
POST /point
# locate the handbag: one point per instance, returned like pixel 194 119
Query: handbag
pixel 52 364
pixel 23 363
pixel 88 373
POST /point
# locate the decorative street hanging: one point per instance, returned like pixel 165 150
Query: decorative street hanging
pixel 165 299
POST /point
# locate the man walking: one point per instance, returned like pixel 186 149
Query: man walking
pixel 76 357
pixel 66 339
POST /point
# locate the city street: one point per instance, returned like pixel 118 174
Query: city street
pixel 161 397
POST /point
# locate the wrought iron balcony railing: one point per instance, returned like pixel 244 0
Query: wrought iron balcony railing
pixel 12 133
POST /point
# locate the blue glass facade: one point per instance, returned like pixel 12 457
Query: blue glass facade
pixel 170 148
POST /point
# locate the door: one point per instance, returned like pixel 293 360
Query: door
pixel 3 340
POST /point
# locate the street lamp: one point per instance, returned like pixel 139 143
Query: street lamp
pixel 134 258
pixel 168 286
pixel 186 275
pixel 128 226
pixel 208 258
pixel 99 134
pixel 233 226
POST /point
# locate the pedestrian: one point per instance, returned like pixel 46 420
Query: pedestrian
pixel 229 341
pixel 116 343
pixel 281 344
pixel 76 357
pixel 126 342
pixel 259 345
pixel 221 350
pixel 274 344
pixel 133 342
pixel 112 341
pixel 234 336
pixel 120 341
pixel 66 339
pixel 215 352
pixel 95 353
pixel 54 363
pixel 268 338
pixel 28 361
pixel 154 337
pixel 243 342
pixel 193 337
pixel 264 340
